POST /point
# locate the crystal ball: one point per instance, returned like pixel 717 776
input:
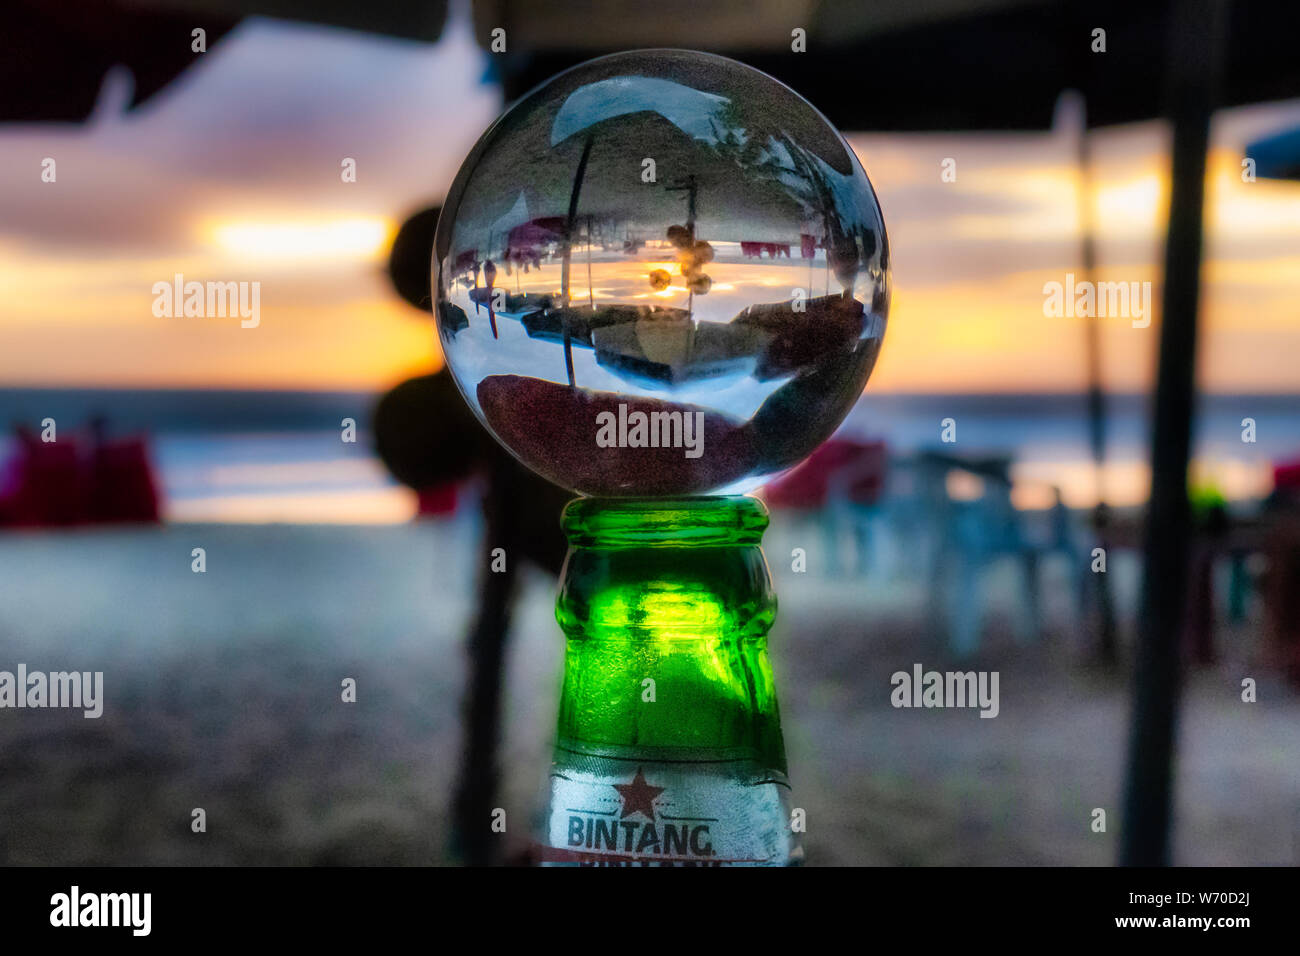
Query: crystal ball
pixel 661 273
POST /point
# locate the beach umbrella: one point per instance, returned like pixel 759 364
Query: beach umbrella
pixel 1277 156
pixel 57 54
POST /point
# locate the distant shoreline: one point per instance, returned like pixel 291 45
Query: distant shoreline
pixel 232 409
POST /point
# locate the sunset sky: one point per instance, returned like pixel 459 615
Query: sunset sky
pixel 233 174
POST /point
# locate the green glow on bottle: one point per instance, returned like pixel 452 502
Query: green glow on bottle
pixel 677 591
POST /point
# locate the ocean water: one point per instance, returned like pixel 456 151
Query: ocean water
pixel 1047 436
pixel 279 456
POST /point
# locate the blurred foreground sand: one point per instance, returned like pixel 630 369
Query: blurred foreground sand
pixel 223 692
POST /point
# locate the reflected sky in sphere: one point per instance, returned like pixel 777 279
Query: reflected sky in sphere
pixel 661 273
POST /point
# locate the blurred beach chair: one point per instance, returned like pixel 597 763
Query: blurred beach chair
pixel 78 480
pixel 904 520
pixel 854 495
pixel 46 483
pixel 970 532
pixel 838 487
pixel 123 486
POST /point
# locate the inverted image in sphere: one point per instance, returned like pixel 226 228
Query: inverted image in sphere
pixel 661 273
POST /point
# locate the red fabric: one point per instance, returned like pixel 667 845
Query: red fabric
pixel 437 500
pixel 52 487
pixel 63 482
pixel 1286 474
pixel 856 469
pixel 123 487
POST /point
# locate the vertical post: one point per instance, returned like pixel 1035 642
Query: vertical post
pixel 591 291
pixel 1192 57
pixel 1106 646
pixel 473 842
pixel 574 194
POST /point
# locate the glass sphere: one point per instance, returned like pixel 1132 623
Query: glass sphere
pixel 661 273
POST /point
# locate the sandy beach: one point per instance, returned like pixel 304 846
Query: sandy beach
pixel 222 691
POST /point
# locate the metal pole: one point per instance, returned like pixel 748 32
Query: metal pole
pixel 568 248
pixel 1106 645
pixel 1196 30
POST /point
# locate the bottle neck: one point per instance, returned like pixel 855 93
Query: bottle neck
pixel 665 606
pixel 615 523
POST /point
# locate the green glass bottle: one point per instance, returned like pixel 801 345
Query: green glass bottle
pixel 668 749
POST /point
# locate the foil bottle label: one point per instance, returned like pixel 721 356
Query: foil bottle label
pixel 627 811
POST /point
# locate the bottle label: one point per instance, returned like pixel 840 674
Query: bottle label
pixel 628 811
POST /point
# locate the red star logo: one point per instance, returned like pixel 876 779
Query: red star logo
pixel 638 795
